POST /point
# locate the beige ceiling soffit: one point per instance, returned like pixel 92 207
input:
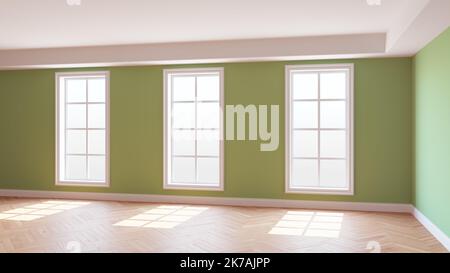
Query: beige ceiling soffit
pixel 432 19
pixel 404 21
pixel 163 53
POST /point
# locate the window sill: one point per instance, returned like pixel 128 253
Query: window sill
pixel 193 187
pixel 82 184
pixel 320 191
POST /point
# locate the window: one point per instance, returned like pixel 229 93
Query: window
pixel 82 129
pixel 319 129
pixel 193 129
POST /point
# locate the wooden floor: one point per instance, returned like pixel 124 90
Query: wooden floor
pixel 32 225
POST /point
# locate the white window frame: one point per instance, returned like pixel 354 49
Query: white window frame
pixel 83 183
pixel 289 69
pixel 167 129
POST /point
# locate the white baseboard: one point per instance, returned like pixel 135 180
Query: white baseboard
pixel 432 228
pixel 200 200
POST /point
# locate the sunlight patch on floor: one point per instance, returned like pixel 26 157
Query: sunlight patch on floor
pixel 167 216
pixel 39 210
pixel 309 224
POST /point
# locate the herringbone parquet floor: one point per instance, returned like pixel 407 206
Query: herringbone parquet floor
pixel 34 225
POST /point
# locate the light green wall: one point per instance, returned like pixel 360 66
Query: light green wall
pixel 432 131
pixel 383 142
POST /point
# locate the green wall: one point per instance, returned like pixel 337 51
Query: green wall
pixel 383 125
pixel 432 131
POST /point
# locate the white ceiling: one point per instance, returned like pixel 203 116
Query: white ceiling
pixel 53 23
pixel 52 33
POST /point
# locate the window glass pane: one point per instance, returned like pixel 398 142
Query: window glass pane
pixel 332 114
pixel 208 142
pixel 76 116
pixel 319 136
pixel 96 165
pixel 183 88
pixel 82 107
pixel 97 90
pixel 183 115
pixel 195 121
pixel 183 170
pixel 76 167
pixel 208 88
pixel 96 142
pixel 305 85
pixel 76 90
pixel 183 142
pixel 333 85
pixel 332 144
pixel 208 170
pixel 305 144
pixel 305 173
pixel 96 116
pixel 208 115
pixel 305 114
pixel 76 142
pixel 333 173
